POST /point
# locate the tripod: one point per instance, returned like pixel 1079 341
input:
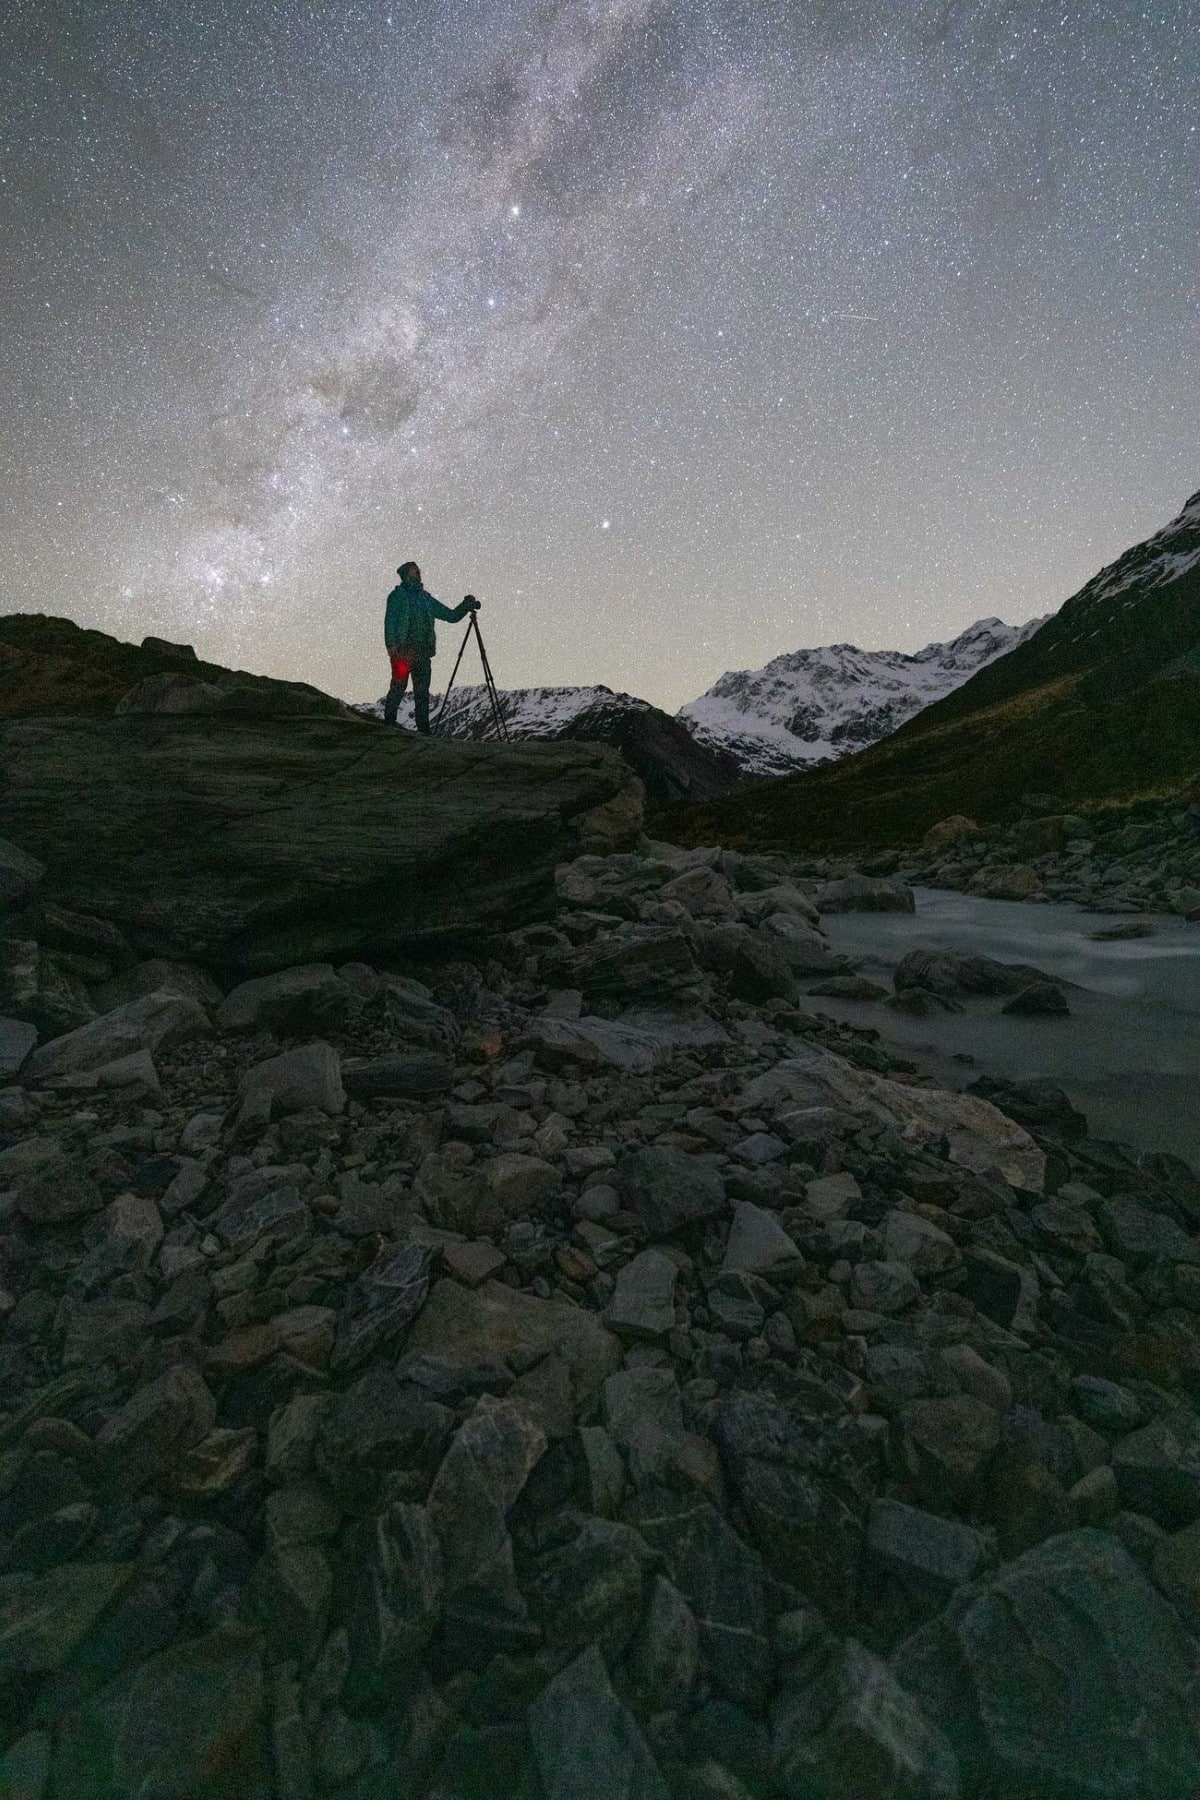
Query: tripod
pixel 488 681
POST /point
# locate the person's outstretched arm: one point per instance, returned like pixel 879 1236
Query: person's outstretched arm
pixel 452 614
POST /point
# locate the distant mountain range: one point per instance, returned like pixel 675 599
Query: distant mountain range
pixel 1100 703
pixel 810 706
pixel 672 763
pixel 806 707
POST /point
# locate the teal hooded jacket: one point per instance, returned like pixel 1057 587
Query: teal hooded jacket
pixel 408 622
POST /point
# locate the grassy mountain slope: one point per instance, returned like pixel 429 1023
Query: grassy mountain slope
pixel 1102 704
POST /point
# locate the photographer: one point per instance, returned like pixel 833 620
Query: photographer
pixel 410 637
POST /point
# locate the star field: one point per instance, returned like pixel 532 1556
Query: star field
pixel 682 334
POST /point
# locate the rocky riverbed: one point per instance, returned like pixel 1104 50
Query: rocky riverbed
pixel 581 1370
pixel 1120 1033
pixel 1144 856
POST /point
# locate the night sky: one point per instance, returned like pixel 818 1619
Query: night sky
pixel 683 333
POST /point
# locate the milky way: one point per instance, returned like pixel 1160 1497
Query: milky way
pixel 683 334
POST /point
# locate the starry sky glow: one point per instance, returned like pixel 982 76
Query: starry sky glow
pixel 682 332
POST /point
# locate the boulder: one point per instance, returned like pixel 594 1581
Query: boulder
pixel 482 1199
pixel 929 1554
pixel 668 1190
pixel 308 1076
pixel 586 1743
pixel 196 1706
pixel 1158 1470
pixel 779 897
pixel 977 1135
pixel 960 972
pixel 758 1244
pixel 253 841
pixel 20 875
pixel 949 831
pixel 1017 881
pixel 494 1320
pixel 801 1489
pixel 849 1729
pixel 638 963
pixel 702 893
pixel 865 893
pixel 946 1443
pixel 292 1001
pixel 43 1616
pixel 152 1021
pixel 804 948
pixel 756 964
pixel 480 1478
pixel 403 1075
pixel 394 1597
pixel 1041 1000
pixel 643 1303
pixel 1063 1673
pixel 167 1416
pixel 57 1188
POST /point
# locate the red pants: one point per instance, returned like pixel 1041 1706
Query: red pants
pixel 405 663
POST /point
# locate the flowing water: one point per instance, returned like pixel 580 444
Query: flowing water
pixel 1129 1054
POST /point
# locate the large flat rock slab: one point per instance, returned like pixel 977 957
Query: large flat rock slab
pixel 250 843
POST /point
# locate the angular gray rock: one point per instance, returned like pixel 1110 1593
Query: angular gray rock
pixel 643 963
pixel 956 972
pixel 43 1616
pixel 758 1244
pixel 804 948
pixel 643 1302
pixel 721 1578
pixel 395 1600
pixel 58 1188
pixel 481 1476
pixel 144 1024
pixel 384 1300
pixel 160 1420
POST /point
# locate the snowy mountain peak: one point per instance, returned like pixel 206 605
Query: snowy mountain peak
pixel 810 706
pixel 542 712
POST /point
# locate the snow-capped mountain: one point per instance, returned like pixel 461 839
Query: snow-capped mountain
pixel 811 706
pixel 1101 703
pixel 672 763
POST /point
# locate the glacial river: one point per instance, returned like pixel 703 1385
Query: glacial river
pixel 1129 1054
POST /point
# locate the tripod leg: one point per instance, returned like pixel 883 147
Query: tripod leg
pixel 489 678
pixel 454 671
